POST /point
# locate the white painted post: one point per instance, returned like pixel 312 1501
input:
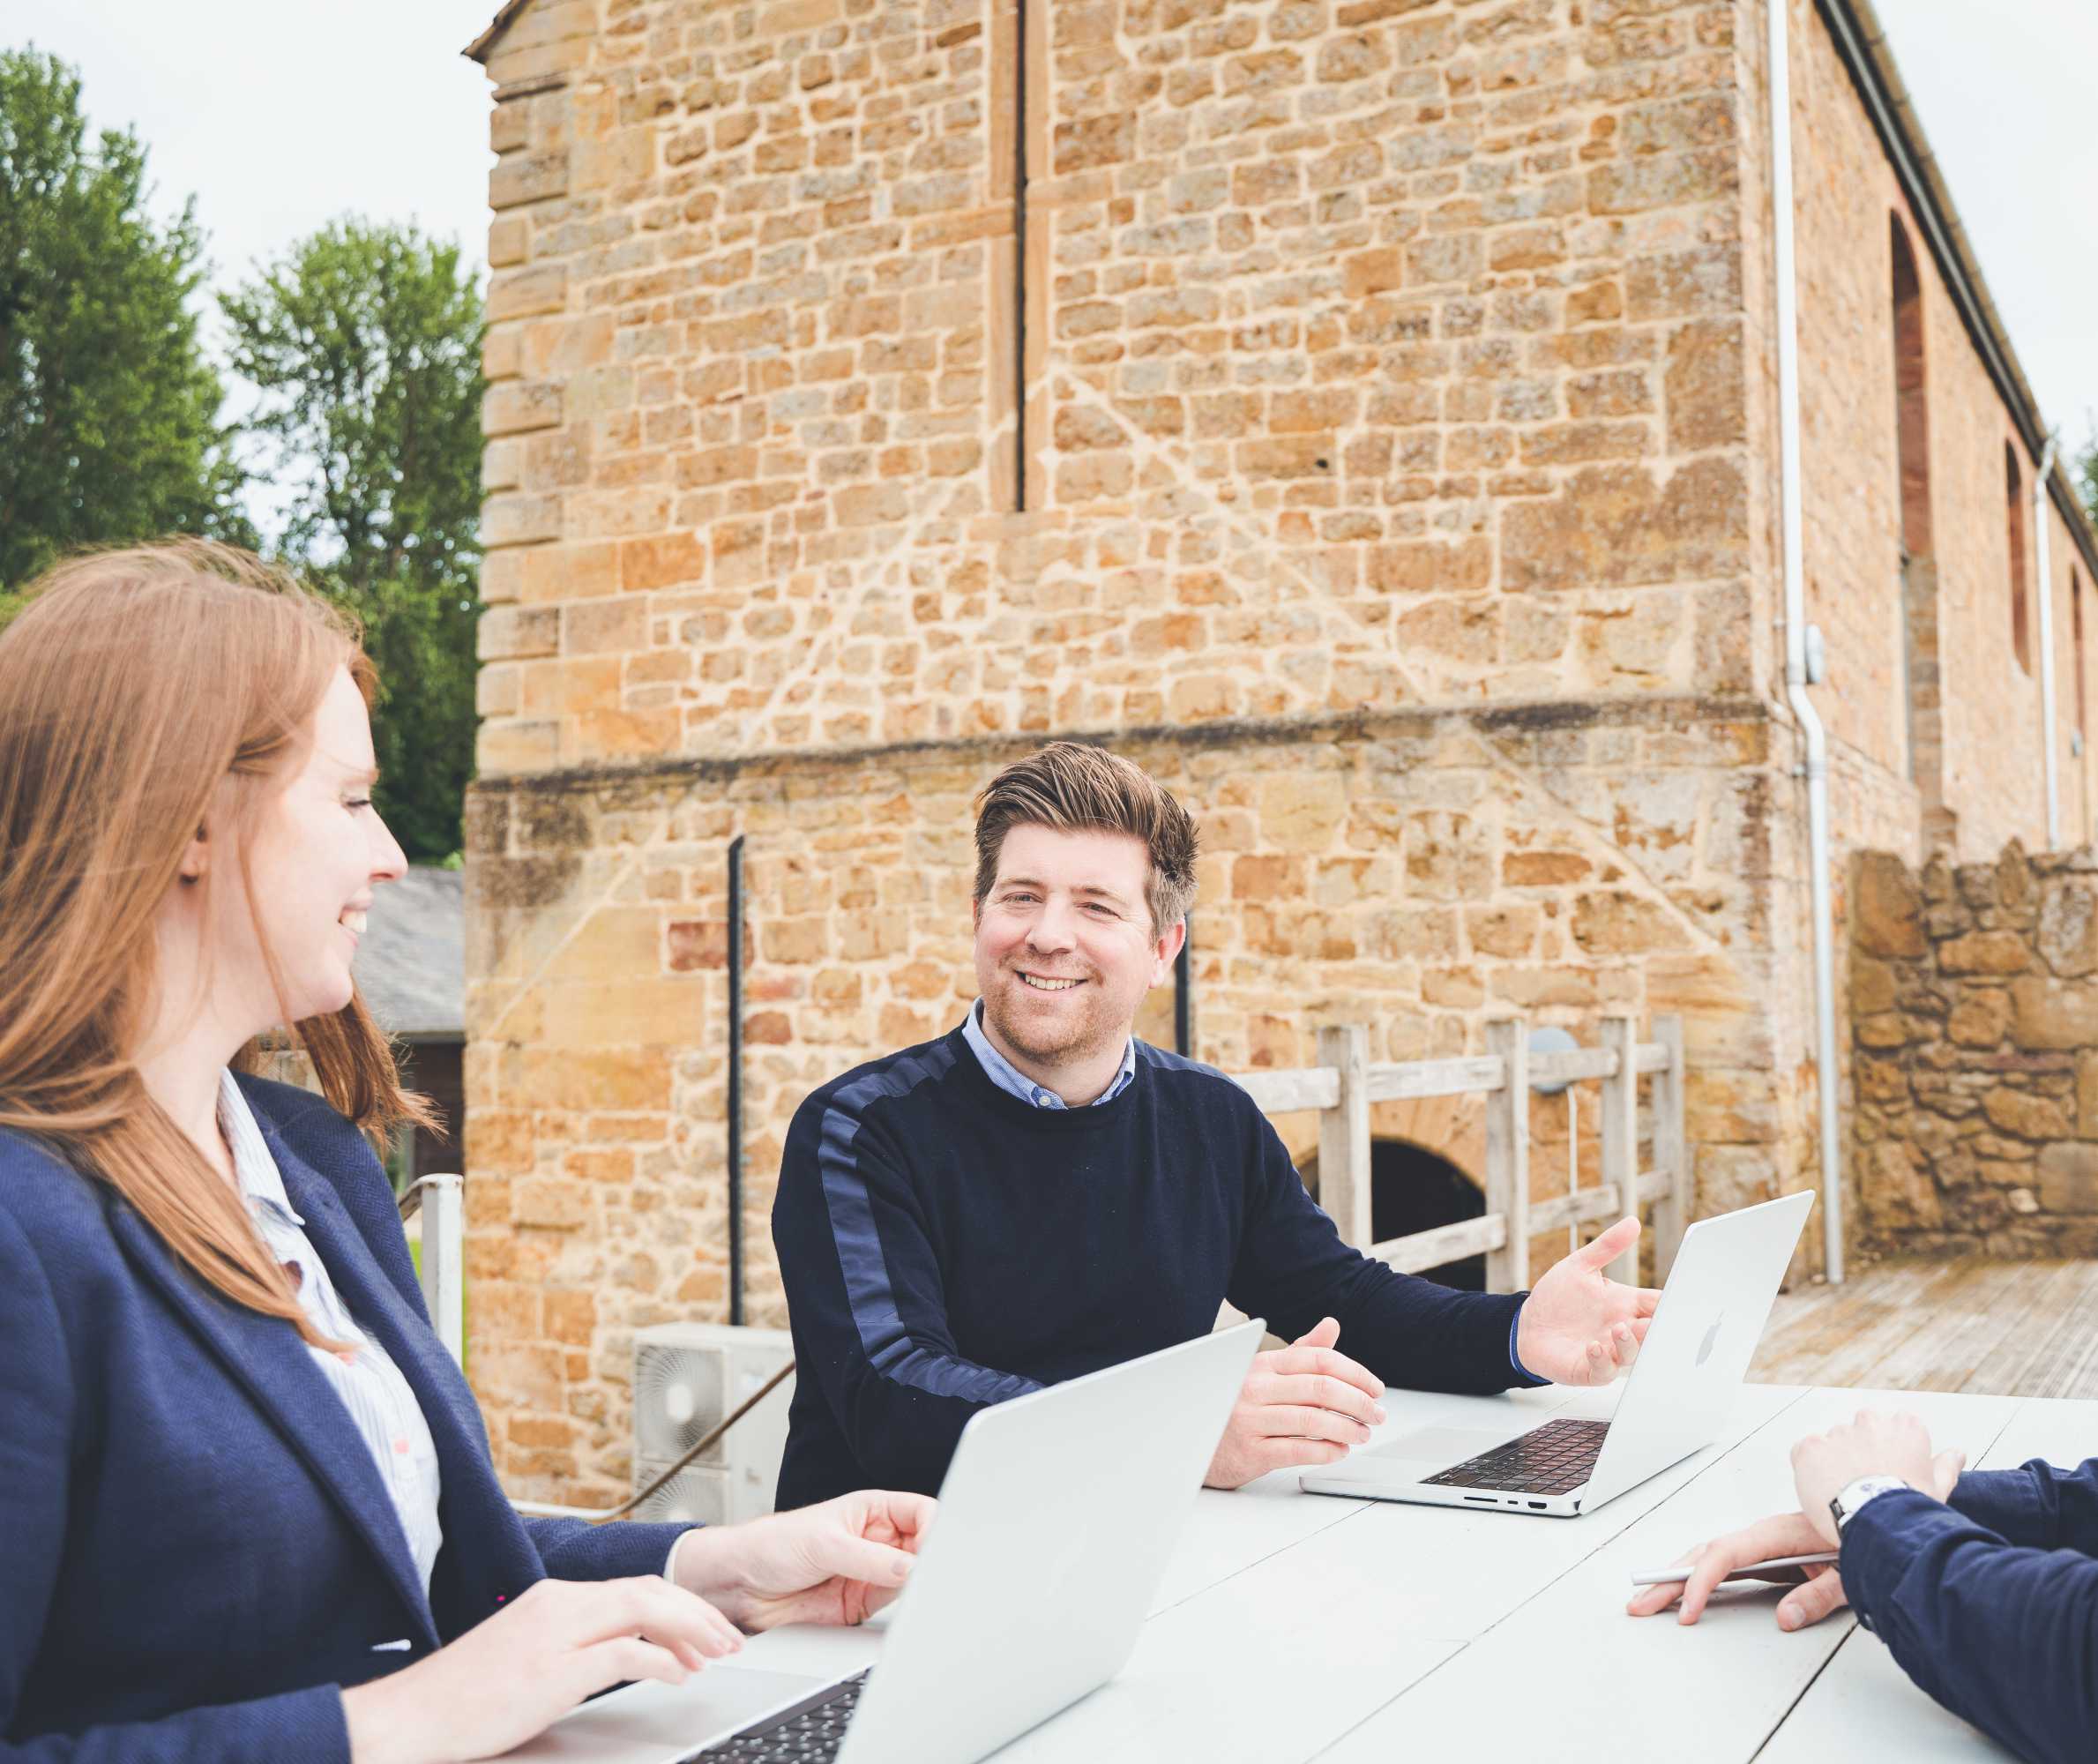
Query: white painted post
pixel 444 1260
pixel 1671 1150
pixel 1508 1154
pixel 1621 1130
pixel 1344 1134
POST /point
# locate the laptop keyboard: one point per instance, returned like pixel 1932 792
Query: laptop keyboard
pixel 1554 1459
pixel 811 1732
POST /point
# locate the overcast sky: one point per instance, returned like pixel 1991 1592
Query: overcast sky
pixel 278 115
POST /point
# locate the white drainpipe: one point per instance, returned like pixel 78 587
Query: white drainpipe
pixel 1796 674
pixel 2047 734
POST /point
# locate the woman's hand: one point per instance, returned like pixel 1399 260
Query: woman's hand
pixel 838 1562
pixel 506 1679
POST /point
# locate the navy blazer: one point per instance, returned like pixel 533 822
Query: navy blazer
pixel 196 1550
pixel 1989 1601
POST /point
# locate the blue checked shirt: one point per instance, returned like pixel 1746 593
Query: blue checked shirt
pixel 1014 1082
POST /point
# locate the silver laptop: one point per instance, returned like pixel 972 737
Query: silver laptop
pixel 1056 1519
pixel 1674 1401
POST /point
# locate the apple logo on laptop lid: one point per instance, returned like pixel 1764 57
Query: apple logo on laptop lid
pixel 1711 1337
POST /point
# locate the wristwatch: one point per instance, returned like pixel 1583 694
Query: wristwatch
pixel 1850 1499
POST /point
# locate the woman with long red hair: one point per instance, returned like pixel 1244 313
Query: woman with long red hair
pixel 247 1510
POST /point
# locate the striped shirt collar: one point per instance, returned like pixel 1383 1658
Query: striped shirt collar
pixel 1014 1082
pixel 379 1399
pixel 261 1181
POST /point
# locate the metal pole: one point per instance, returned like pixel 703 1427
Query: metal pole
pixel 1021 125
pixel 443 1258
pixel 736 1080
pixel 1183 1016
pixel 1812 735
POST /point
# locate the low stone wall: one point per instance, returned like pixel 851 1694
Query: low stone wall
pixel 1974 1013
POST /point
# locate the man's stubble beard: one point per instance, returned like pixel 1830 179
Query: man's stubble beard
pixel 1086 1036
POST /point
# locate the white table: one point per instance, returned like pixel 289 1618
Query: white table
pixel 1293 1626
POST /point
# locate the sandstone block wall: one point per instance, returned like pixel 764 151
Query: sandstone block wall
pixel 1376 354
pixel 1398 872
pixel 1974 995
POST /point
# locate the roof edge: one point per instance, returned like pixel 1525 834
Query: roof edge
pixel 1862 43
pixel 478 50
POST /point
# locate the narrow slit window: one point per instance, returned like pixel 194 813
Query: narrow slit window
pixel 2021 644
pixel 1911 411
pixel 2076 647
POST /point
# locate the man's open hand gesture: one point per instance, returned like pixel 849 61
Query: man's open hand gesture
pixel 1303 1404
pixel 1579 1327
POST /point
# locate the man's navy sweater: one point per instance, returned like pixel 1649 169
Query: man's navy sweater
pixel 946 1246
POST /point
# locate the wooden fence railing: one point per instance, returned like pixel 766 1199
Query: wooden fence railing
pixel 1344 1085
pixel 1341 1087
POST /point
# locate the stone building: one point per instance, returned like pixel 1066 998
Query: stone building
pixel 1974 1013
pixel 1363 413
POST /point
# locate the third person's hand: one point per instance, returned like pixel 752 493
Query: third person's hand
pixel 1782 1534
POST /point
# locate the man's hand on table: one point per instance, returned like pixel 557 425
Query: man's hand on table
pixel 1303 1404
pixel 1579 1327
pixel 1823 1466
pixel 838 1562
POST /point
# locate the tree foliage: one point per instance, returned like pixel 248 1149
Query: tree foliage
pixel 363 345
pixel 109 406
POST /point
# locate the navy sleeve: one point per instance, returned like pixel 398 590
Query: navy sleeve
pixel 869 1305
pixel 2037 1504
pixel 1293 1269
pixel 2005 1637
pixel 576 1549
pixel 37 1422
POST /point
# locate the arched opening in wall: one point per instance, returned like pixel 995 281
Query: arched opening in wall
pixel 2014 518
pixel 1413 1189
pixel 1919 565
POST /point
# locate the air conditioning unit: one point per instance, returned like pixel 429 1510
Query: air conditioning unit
pixel 687 1377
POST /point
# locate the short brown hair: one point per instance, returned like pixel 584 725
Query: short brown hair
pixel 1074 789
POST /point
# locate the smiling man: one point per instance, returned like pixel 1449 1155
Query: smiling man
pixel 1038 1194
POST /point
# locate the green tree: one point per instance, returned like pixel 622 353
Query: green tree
pixel 109 406
pixel 363 345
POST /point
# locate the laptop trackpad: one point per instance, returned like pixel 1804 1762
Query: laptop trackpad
pixel 1437 1448
pixel 651 1723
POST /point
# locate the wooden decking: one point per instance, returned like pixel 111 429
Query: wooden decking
pixel 2004 1329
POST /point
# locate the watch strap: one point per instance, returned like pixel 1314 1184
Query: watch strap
pixel 1852 1496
